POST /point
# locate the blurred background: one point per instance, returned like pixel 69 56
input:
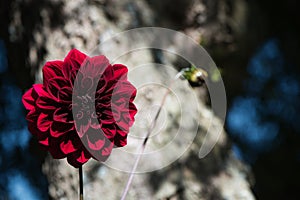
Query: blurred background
pixel 255 44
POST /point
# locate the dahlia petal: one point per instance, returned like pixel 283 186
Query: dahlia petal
pixel 87 83
pixel 122 133
pixel 58 129
pixel 65 94
pixel 132 110
pixel 95 124
pixel 28 100
pixel 82 158
pixel 107 121
pixel 68 147
pixel 91 71
pixel 52 69
pixel 42 136
pixel 108 74
pixel 95 145
pixel 55 85
pixel 72 158
pixel 125 90
pixel 123 125
pixel 43 98
pixel 84 85
pixel 40 91
pixel 103 102
pixel 43 122
pixel 107 150
pixel 72 63
pixel 120 72
pixel 44 142
pixel 82 128
pixel 45 103
pixel 107 113
pixel 77 88
pixel 109 130
pixel 120 141
pixel 32 116
pixel 116 113
pixel 101 86
pixel 95 66
pixel 69 74
pixel 33 129
pixel 99 62
pixel 63 115
pixel 76 56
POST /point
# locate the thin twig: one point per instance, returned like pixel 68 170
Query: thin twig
pixel 142 148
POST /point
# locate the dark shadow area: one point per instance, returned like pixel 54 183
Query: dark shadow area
pixel 263 89
pixel 21 159
pixel 171 14
pixel 23 19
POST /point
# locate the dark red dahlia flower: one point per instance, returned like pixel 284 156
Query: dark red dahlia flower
pixel 83 109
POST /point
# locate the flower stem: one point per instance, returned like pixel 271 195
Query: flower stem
pixel 80 184
pixel 142 148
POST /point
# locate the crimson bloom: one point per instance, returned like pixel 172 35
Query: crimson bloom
pixel 83 109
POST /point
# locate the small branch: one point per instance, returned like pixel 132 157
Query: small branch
pixel 142 148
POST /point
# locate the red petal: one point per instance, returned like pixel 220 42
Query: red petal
pixel 32 116
pixel 82 155
pixel 75 55
pixel 82 128
pixel 65 94
pixel 44 142
pixel 43 122
pixel 33 129
pixel 109 130
pixel 58 128
pixel 120 72
pixel 132 110
pixel 106 151
pixel 96 145
pixel 122 133
pixel 82 158
pixel 72 63
pixel 123 125
pixel 87 83
pixel 120 141
pixel 45 103
pixel 54 150
pixel 95 66
pixel 52 69
pixel 28 100
pixel 63 114
pixel 67 148
pixel 124 90
pixel 55 85
pixel 40 91
pixel 44 100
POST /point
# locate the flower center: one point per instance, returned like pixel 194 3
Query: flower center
pixel 86 105
pixel 86 102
